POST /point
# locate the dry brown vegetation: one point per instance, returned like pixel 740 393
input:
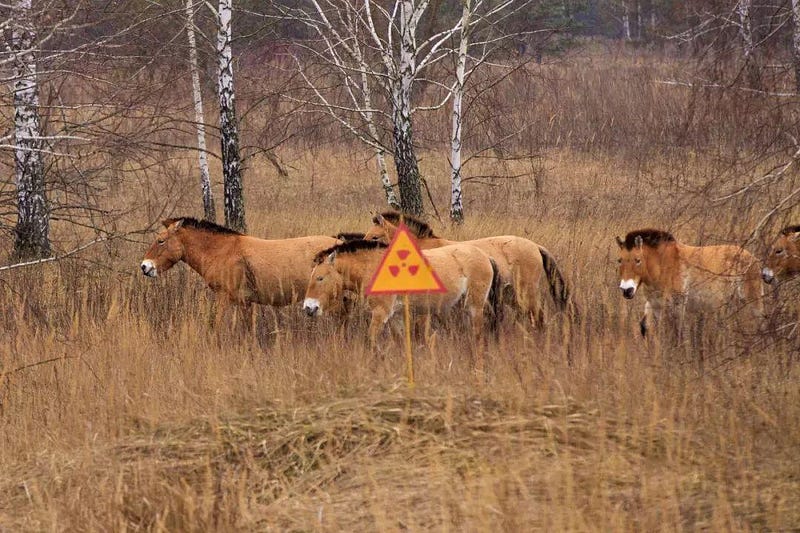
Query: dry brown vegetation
pixel 121 409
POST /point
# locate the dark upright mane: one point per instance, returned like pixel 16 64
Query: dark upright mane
pixel 650 237
pixel 788 230
pixel 347 236
pixel 205 225
pixel 417 226
pixel 348 247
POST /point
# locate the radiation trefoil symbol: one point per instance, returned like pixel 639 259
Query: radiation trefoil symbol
pixel 404 269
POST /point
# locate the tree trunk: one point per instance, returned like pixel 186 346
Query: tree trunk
pixel 229 135
pixel 752 71
pixel 33 216
pixel 456 203
pixel 209 211
pixel 405 158
pixel 626 22
pixel 796 42
pixel 380 155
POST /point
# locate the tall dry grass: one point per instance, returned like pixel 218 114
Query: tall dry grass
pixel 120 407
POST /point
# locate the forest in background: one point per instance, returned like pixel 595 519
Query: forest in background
pixel 116 102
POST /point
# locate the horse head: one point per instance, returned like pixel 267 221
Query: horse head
pixel 325 289
pixel 632 266
pixel 783 259
pixel 165 251
pixel 382 230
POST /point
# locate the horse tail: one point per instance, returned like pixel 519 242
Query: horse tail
pixel 558 287
pixel 495 298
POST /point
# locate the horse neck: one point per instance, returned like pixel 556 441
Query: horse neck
pixel 663 266
pixel 357 268
pixel 202 250
pixel 426 243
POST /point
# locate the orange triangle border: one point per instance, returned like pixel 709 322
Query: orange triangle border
pixel 402 228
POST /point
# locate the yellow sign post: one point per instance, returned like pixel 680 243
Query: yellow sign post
pixel 404 270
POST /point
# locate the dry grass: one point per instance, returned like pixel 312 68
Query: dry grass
pixel 120 409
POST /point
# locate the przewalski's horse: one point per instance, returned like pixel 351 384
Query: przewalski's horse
pixel 468 274
pixel 703 277
pixel 783 259
pixel 240 269
pixel 521 262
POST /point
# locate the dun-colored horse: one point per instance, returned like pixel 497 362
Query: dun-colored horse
pixel 693 277
pixel 783 259
pixel 521 262
pixel 238 268
pixel 466 272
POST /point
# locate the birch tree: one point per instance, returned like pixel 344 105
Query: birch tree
pixel 368 45
pixel 347 29
pixel 229 134
pixel 456 203
pixel 197 96
pixel 744 11
pixel 33 218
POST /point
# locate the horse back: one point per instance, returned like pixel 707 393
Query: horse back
pixel 719 269
pixel 462 261
pixel 510 252
pixel 277 271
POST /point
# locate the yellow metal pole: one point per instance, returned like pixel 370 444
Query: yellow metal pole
pixel 409 355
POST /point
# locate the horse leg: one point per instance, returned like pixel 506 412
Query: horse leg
pixel 476 305
pixel 223 304
pixel 381 313
pixel 652 312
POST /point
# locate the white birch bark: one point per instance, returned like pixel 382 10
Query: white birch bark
pixel 33 217
pixel 199 118
pixel 626 21
pixel 229 135
pixel 796 42
pixel 369 117
pixel 404 155
pixel 743 9
pixel 456 203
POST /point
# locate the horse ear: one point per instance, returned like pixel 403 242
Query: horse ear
pixel 170 221
pixel 794 236
pixel 638 241
pixel 620 242
pixel 331 257
pixel 378 220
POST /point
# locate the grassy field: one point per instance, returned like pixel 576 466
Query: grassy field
pixel 122 410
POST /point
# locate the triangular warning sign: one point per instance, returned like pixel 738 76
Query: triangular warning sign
pixel 404 269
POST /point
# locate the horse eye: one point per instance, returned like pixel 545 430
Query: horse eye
pixel 779 251
pixel 161 242
pixel 638 261
pixel 320 278
pixel 619 261
pixel 375 238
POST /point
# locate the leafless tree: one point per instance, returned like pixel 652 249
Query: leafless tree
pixel 197 97
pixel 33 215
pixel 228 126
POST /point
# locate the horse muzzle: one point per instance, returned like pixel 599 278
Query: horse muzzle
pixel 628 292
pixel 628 288
pixel 311 307
pixel 767 275
pixel 149 269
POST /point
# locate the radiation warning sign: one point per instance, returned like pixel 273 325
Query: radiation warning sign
pixel 404 269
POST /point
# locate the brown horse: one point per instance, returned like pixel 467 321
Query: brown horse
pixel 238 268
pixel 521 262
pixel 783 259
pixel 466 272
pixel 672 273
